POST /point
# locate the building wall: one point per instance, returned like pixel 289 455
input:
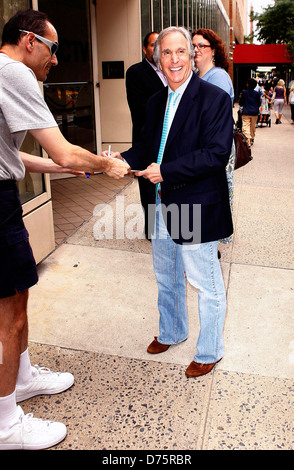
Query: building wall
pixel 237 13
pixel 118 39
pixel 239 20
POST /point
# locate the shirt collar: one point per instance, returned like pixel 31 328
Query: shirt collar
pixel 183 87
pixel 159 72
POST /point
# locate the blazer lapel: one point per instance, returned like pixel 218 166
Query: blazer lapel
pixel 160 106
pixel 184 107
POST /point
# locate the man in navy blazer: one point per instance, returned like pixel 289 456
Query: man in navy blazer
pixel 143 80
pixel 192 203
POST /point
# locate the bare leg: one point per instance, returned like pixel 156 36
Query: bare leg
pixel 17 429
pixel 13 338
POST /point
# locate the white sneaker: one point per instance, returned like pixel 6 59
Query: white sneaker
pixel 29 433
pixel 44 382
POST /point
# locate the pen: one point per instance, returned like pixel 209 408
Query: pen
pixel 109 152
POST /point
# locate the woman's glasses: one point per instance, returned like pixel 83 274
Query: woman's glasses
pixel 201 46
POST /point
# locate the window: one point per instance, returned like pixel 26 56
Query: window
pixel 69 89
pixel 193 14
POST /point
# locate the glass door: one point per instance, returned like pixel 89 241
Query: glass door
pixel 69 90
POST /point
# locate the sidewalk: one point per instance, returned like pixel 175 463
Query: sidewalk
pixel 94 313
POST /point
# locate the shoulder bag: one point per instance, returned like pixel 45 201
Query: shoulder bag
pixel 243 150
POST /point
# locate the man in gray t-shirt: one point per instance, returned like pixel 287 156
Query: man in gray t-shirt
pixel 28 51
pixel 22 108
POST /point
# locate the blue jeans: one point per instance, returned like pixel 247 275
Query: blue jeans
pixel 201 265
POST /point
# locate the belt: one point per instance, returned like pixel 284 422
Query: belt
pixel 7 184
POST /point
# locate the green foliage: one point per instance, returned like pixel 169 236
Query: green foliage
pixel 276 24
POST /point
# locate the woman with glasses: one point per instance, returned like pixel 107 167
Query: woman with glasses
pixel 211 59
pixel 211 65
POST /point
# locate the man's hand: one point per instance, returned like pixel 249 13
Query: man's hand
pixel 74 157
pixel 112 154
pixel 116 164
pixel 152 173
pixel 116 168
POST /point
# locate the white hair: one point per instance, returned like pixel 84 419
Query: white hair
pixel 173 29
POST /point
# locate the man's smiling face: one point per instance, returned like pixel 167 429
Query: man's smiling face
pixel 175 61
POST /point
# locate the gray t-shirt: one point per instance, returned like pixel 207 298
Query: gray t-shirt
pixel 22 107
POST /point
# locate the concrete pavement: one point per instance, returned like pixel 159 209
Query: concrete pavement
pixel 94 312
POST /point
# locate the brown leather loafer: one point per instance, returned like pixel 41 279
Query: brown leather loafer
pixel 196 369
pixel 155 347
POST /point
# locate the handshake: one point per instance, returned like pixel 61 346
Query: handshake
pixel 118 168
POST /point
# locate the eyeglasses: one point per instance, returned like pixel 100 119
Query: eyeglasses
pixel 53 46
pixel 201 46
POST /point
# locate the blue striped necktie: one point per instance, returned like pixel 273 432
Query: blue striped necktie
pixel 166 126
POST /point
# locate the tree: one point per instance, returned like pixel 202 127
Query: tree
pixel 276 24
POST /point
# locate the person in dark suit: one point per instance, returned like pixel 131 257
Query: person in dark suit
pixel 143 80
pixel 192 202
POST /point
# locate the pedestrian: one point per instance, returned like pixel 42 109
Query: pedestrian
pixel 212 64
pixel 270 97
pixel 291 102
pixel 264 107
pixel 28 51
pixel 250 102
pixel 191 194
pixel 280 99
pixel 142 81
